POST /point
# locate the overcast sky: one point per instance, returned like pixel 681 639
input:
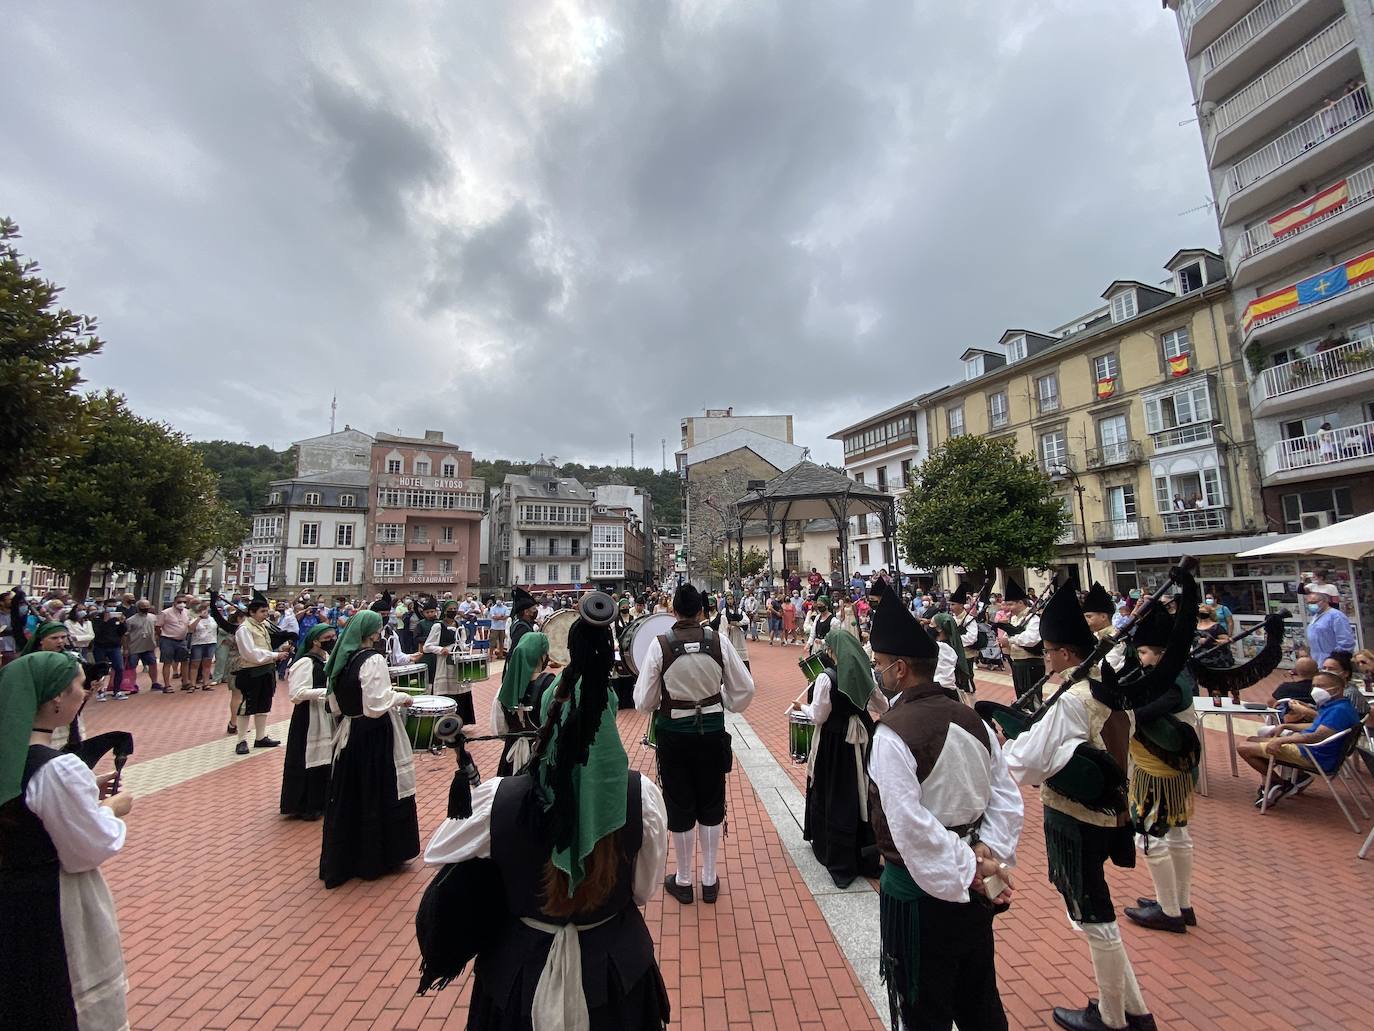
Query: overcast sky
pixel 542 226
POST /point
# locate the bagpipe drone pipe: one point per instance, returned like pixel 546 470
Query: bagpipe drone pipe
pixel 1012 629
pixel 91 750
pixel 1218 680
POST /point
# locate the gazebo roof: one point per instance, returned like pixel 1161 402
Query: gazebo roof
pixel 811 491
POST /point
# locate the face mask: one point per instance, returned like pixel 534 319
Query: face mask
pixel 880 678
pixel 181 606
pixel 1211 601
pixel 1313 608
pixel 328 645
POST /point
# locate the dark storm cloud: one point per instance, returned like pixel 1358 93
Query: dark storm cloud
pixel 590 219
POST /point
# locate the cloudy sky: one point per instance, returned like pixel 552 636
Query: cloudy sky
pixel 542 225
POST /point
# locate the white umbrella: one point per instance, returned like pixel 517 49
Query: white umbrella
pixel 1352 539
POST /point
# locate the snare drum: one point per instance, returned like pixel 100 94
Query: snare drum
pixel 412 679
pixel 651 735
pixel 471 668
pixel 811 667
pixel 800 730
pixel 421 716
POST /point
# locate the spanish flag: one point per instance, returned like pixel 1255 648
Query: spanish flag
pixel 1299 215
pixel 1277 303
pixel 1360 270
pixel 1179 365
pixel 1106 388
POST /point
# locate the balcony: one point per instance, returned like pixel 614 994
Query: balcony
pixel 1299 382
pixel 1328 137
pixel 1203 21
pixel 1239 39
pixel 446 546
pixel 1071 534
pixel 1186 435
pixel 1136 528
pixel 1346 449
pixel 1319 300
pixel 1045 405
pixel 1329 215
pixel 1125 452
pixel 1194 521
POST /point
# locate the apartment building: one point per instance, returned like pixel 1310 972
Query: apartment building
pixel 541 531
pixel 641 503
pixel 617 552
pixel 881 451
pixel 715 422
pixel 1282 95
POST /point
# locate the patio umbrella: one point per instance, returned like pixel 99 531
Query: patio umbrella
pixel 1351 538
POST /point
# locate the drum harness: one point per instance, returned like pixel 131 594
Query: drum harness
pixel 674 648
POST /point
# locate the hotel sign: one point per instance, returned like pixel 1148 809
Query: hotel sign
pixel 427 483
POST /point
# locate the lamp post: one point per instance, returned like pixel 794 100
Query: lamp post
pixel 1062 469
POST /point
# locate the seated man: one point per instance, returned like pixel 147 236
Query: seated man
pixel 1333 716
pixel 1298 684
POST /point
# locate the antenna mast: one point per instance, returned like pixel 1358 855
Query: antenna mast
pixel 333 408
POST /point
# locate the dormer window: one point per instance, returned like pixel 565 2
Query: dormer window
pixel 1016 349
pixel 1123 306
pixel 973 367
pixel 1189 278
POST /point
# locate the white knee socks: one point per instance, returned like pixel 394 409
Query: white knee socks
pixel 1160 861
pixel 1118 991
pixel 710 845
pixel 684 845
pixel 1181 853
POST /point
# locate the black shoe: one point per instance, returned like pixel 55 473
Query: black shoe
pixel 241 748
pixel 231 729
pixel 710 892
pixel 1189 914
pixel 265 742
pixel 682 892
pixel 1156 919
pixel 1139 1022
pixel 1086 1019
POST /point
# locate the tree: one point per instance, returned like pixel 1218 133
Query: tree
pixel 218 529
pixel 754 562
pixel 977 503
pixel 40 410
pixel 244 471
pixel 131 500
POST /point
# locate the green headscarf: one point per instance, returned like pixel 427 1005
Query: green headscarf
pixel 946 622
pixel 520 667
pixel 45 629
pixel 852 668
pixel 25 684
pixel 314 633
pixel 362 624
pixel 599 785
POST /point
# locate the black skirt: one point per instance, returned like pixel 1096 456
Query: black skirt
pixel 368 831
pixel 304 791
pixel 838 834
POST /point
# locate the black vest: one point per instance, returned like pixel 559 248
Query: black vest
pixel 24 844
pixel 348 685
pixel 317 677
pixel 447 635
pixel 841 708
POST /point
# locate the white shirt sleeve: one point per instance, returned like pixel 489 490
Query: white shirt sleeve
pixel 456 841
pixel 65 796
pixel 81 634
pixel 945 666
pixel 300 681
pixel 937 859
pixel 1116 658
pixel 432 645
pixel 969 637
pixel 738 688
pixel 1029 637
pixel 647 689
pixel 249 652
pixel 1044 750
pixel 653 849
pixel 378 695
pixel 1001 829
pixel 818 709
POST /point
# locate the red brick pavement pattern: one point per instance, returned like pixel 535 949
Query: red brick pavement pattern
pixel 226 925
pixel 1257 882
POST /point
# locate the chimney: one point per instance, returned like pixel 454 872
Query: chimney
pixel 434 435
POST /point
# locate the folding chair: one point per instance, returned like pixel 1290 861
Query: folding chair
pixel 1352 738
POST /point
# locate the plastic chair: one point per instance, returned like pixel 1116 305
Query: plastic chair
pixel 1352 740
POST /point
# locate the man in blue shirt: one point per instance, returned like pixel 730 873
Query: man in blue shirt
pixel 1327 629
pixel 1333 716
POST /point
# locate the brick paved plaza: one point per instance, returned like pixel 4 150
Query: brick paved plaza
pixel 226 925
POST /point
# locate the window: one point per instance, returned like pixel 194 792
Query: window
pixel 419 534
pixel 446 534
pixel 859 477
pixel 1189 278
pixel 906 472
pixel 529 573
pixel 417 565
pixel 955 414
pixel 274 498
pixel 1311 509
pixel 343 535
pixel 306 571
pixel 1047 392
pixel 347 500
pixel 1104 367
pixel 863 554
pixel 1054 448
pixel 553 545
pixel 575 573
pixel 310 534
pixel 1181 408
pixel 393 465
pixel 882 477
pixel 576 548
pixel 1016 349
pixel 312 500
pixel 1175 343
pixel 422 467
pixel 450 469
pixel 390 533
pixel 1123 306
pixel 529 545
pixel 446 565
pixel 1114 439
pixel 553 573
pixel 973 367
pixel 343 571
pixel 863 523
pixel 386 567
pixel 266 528
pixel 1120 504
pixel 997 410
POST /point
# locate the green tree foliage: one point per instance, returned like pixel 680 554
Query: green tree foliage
pixel 133 499
pixel 754 561
pixel 40 409
pixel 977 503
pixel 245 470
pixel 220 528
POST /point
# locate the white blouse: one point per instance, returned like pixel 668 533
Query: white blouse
pixel 819 708
pixel 65 796
pixel 378 696
pixel 300 681
pixel 432 645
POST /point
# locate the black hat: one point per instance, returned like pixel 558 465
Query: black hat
pixel 258 596
pixel 960 595
pixel 896 632
pixel 1155 628
pixel 1098 600
pixel 879 586
pixel 384 603
pixel 521 599
pixel 1014 592
pixel 1062 623
pixel 687 601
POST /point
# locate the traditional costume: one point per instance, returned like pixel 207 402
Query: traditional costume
pixel 256 680
pixel 446 639
pixel 1025 647
pixel 62 969
pixel 370 821
pixel 43 630
pixel 515 707
pixel 552 950
pixel 966 626
pixel 954 669
pixel 939 788
pixel 690 676
pixel 309 740
pixel 422 630
pixel 1098 600
pixel 836 822
pixel 522 620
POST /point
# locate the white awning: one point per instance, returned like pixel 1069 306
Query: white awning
pixel 1165 551
pixel 1352 539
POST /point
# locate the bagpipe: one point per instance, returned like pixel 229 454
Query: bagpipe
pixel 1012 629
pixel 1232 679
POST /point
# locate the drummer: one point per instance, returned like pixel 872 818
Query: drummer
pixel 523 682
pixel 446 643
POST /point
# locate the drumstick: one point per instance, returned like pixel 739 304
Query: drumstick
pixel 799 697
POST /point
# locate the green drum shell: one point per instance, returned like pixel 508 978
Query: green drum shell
pixel 811 667
pixel 800 731
pixel 412 680
pixel 420 723
pixel 472 669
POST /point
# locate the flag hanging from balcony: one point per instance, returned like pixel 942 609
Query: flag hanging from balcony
pixel 1106 388
pixel 1358 271
pixel 1314 208
pixel 1179 365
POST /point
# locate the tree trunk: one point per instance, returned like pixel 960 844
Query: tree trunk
pixel 81 583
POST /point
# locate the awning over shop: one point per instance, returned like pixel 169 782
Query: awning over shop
pixel 1173 550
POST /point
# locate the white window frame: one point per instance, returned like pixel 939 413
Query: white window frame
pixel 347 501
pixel 343 570
pixel 1124 306
pixel 450 470
pixel 391 533
pixel 1061 452
pixel 973 367
pixel 1105 366
pixel 1016 349
pixel 553 572
pixel 386 567
pixel 1176 343
pixel 445 565
pixel 343 535
pixel 446 534
pixel 417 566
pixel 310 535
pixel 394 466
pixel 305 571
pixel 531 574
pixel 312 499
pixel 955 416
pixel 422 467
pixel 998 414
pixel 1047 401
pixel 274 498
pixel 575 573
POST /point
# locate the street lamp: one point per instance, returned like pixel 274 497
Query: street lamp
pixel 1062 469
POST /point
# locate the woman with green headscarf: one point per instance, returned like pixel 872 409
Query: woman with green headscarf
pixel 837 822
pixel 515 707
pixel 370 822
pixel 568 851
pixel 310 739
pixel 63 966
pixel 47 637
pixel 953 671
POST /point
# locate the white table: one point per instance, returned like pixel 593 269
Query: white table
pixel 1205 707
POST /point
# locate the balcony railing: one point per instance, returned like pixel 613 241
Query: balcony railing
pixel 1302 137
pixel 1325 447
pixel 1197 520
pixel 1178 436
pixel 1137 528
pixel 1359 187
pixel 1191 10
pixel 1283 74
pixel 1355 273
pixel 1124 452
pixel 1324 367
pixel 1071 534
pixel 1234 39
pixel 1044 404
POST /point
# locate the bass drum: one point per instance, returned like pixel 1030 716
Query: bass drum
pixel 634 642
pixel 556 630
